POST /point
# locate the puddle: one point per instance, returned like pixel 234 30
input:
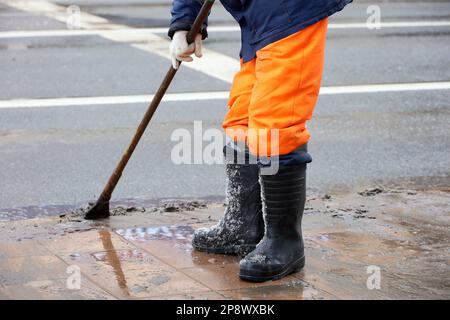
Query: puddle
pixel 123 255
pixel 404 245
pixel 178 233
pixel 293 290
pixel 113 260
pixel 118 207
pixel 322 237
pixel 30 212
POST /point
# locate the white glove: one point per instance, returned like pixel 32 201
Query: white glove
pixel 181 51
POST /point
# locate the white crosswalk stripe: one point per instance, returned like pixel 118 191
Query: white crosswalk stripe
pixel 214 64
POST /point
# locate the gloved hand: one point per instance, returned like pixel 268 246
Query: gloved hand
pixel 181 51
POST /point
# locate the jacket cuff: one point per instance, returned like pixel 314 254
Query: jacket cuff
pixel 186 26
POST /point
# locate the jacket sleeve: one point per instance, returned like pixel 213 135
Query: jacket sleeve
pixel 184 13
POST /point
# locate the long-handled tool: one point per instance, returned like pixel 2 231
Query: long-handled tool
pixel 101 208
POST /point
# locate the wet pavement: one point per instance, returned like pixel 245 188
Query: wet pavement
pixel 381 243
pixel 47 160
pixel 376 244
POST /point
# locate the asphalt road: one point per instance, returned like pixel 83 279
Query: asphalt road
pixel 63 155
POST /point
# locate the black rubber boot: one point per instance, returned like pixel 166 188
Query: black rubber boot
pixel 242 226
pixel 281 250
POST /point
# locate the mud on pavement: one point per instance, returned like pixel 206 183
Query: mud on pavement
pixel 375 244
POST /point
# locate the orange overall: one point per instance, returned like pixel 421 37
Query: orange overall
pixel 277 91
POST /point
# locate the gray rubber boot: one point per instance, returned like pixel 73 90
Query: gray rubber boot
pixel 242 226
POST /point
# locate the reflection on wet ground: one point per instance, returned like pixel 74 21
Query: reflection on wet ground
pixel 10 214
pixel 156 261
pixel 113 260
pixel 178 233
pixel 122 255
pixel 119 207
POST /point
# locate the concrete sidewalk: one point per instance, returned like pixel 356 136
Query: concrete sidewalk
pixel 146 253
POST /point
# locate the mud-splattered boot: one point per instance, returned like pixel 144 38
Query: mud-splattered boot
pixel 281 250
pixel 242 225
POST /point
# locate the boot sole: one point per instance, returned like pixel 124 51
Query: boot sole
pixel 241 250
pixel 252 276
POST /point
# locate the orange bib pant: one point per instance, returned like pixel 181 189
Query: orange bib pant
pixel 276 93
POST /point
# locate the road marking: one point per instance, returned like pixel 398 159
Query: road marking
pixel 211 29
pixel 110 100
pixel 214 64
pixel 393 24
pixel 215 95
pixel 388 87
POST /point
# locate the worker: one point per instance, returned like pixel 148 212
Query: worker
pixel 272 97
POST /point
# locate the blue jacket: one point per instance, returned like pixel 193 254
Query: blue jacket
pixel 262 21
